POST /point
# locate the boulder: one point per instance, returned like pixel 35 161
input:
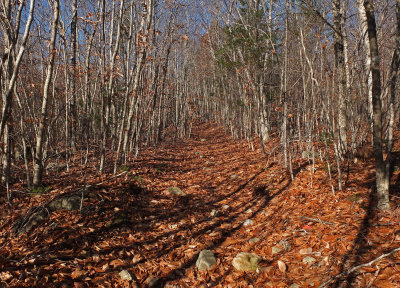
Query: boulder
pixel 206 260
pixel 68 202
pixel 57 167
pixel 29 221
pixel 246 262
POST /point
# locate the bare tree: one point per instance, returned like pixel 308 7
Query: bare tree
pixel 38 169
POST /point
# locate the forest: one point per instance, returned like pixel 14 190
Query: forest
pixel 187 143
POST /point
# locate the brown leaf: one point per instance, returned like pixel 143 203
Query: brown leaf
pixel 77 273
pixel 305 251
pixel 117 262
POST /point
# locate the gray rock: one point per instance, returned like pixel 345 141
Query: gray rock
pixel 214 213
pixel 234 176
pixel 206 260
pixel 254 240
pixel 309 154
pixel 57 167
pixel 125 275
pixel 248 222
pixel 29 221
pixel 246 262
pixel 175 191
pixel 309 260
pixel 275 250
pixel 68 202
pixel 225 206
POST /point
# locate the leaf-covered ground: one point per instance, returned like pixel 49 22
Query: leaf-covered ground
pixel 131 222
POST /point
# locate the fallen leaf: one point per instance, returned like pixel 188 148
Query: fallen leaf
pixel 77 273
pixel 305 251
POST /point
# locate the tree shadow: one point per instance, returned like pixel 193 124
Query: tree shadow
pixel 263 197
pixel 360 244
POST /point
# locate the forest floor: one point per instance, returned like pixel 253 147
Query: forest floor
pixel 306 233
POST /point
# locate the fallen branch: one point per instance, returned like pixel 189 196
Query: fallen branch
pixel 348 272
pixel 108 179
pixel 316 220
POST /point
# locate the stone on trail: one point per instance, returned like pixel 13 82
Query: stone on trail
pixel 246 262
pixel 175 191
pixel 214 213
pixel 275 250
pixel 254 240
pixel 206 260
pixel 309 260
pixel 125 275
pixel 248 222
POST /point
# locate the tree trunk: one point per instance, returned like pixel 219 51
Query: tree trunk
pixel 382 177
pixel 338 21
pixel 72 103
pixel 38 169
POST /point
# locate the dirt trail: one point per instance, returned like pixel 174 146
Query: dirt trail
pixel 133 223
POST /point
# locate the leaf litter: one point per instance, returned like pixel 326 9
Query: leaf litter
pixel 130 224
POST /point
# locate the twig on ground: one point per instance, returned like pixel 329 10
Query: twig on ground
pixel 386 224
pixel 374 278
pixel 316 220
pixel 112 177
pixel 348 272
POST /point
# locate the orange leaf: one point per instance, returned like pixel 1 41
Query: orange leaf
pixel 117 262
pixel 77 273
